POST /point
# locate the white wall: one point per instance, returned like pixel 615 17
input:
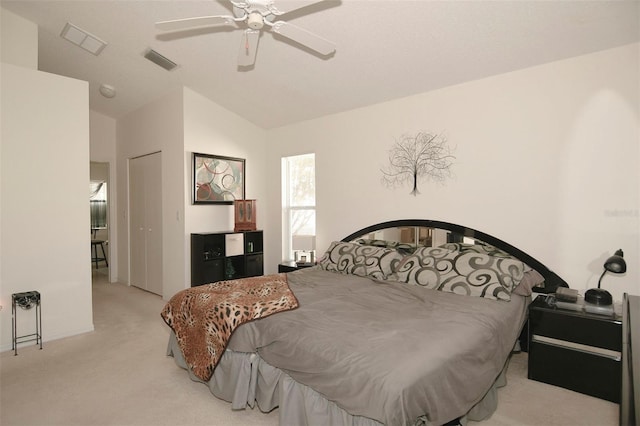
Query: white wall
pixel 19 41
pixel 211 129
pixel 179 124
pixel 157 126
pixel 45 210
pixel 103 150
pixel 547 157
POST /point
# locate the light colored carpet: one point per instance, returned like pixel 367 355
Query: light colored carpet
pixel 119 375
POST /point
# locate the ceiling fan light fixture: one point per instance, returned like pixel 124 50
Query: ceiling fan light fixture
pixel 255 21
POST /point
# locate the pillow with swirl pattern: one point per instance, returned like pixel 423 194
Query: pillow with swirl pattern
pixel 356 259
pixel 469 273
pixel 425 267
pixel 530 279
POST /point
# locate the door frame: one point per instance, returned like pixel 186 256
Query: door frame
pixel 129 223
pixel 112 226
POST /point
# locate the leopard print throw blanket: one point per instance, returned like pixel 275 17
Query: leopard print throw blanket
pixel 204 317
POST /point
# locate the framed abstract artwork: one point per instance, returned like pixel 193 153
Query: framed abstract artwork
pixel 217 179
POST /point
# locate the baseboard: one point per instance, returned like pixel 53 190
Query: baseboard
pixel 49 338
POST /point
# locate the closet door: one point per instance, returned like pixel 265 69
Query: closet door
pixel 137 261
pixel 145 219
pixel 153 220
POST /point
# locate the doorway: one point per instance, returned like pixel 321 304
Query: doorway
pixel 99 211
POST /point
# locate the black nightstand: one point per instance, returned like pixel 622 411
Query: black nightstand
pixel 575 350
pixel 290 266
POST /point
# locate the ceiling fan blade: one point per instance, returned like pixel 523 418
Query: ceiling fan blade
pixel 304 37
pixel 298 5
pixel 248 48
pixel 188 23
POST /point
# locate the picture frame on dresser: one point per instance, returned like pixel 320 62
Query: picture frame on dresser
pixel 217 179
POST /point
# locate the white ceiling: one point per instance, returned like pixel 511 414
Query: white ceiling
pixel 385 49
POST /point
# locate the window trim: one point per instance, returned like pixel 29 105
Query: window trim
pixel 287 209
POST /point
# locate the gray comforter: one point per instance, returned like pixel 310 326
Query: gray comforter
pixel 388 351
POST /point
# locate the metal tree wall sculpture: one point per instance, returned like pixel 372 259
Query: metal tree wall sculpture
pixel 414 157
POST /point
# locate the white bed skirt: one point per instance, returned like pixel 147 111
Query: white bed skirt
pixel 246 380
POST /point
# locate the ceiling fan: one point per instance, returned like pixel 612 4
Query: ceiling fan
pixel 256 14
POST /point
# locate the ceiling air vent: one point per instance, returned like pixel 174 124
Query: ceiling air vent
pixel 82 38
pixel 160 60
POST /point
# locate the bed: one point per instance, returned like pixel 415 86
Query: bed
pixel 405 322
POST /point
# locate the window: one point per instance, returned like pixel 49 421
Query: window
pixel 298 204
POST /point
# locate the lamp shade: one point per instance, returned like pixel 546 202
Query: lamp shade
pixel 303 242
pixel 616 263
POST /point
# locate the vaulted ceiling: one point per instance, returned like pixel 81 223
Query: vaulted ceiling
pixel 384 49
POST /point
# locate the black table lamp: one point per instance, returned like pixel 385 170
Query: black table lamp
pixel 598 296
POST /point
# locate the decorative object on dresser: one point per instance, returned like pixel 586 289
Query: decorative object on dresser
pixel 575 349
pixel 245 215
pixel 569 295
pixel 217 256
pixel 599 296
pixel 217 179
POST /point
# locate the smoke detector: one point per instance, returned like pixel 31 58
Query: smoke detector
pixel 107 91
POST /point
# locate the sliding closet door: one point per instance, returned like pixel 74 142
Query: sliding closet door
pixel 145 220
